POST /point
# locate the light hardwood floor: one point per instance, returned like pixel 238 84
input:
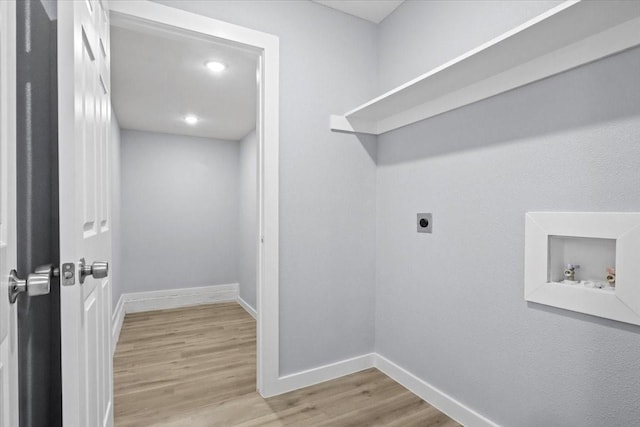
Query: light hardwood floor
pixel 196 367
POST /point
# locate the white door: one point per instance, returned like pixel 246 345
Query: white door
pixel 84 111
pixel 8 245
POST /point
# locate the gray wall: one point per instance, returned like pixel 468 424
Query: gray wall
pixel 179 211
pixel 116 223
pixel 248 218
pixel 327 180
pixel 421 35
pixel 450 305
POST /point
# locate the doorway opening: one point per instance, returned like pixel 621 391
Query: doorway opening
pixel 177 151
pixel 185 209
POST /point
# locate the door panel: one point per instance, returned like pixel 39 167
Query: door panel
pixel 91 359
pixel 89 135
pixel 105 351
pixel 84 120
pixel 4 389
pixel 8 244
pixel 103 159
pixel 8 385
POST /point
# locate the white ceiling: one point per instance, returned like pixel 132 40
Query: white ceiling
pixel 158 77
pixel 371 10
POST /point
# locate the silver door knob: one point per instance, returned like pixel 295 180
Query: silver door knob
pixel 37 283
pixel 99 270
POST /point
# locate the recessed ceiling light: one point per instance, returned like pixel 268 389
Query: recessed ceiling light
pixel 215 66
pixel 191 119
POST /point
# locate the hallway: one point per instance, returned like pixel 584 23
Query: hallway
pixel 195 366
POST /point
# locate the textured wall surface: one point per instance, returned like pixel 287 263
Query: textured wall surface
pixel 179 211
pixel 421 35
pixel 248 218
pixel 327 180
pixel 450 306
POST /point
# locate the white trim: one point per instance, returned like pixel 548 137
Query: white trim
pixel 136 302
pixel 622 305
pixel 247 307
pixel 176 298
pixel 430 394
pixel 268 47
pixel 116 323
pixel 324 373
pixel 425 391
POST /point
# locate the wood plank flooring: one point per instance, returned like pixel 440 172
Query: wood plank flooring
pixel 196 367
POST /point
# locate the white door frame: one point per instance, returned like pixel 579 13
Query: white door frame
pixel 267 45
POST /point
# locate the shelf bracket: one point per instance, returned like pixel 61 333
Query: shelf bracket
pixel 352 125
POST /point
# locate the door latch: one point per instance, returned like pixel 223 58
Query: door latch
pixel 68 274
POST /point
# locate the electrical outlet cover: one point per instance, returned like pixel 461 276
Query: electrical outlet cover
pixel 425 223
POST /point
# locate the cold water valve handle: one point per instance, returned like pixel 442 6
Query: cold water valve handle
pixel 570 272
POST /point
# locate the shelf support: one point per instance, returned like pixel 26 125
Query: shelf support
pixel 352 125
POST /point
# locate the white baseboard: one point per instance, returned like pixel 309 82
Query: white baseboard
pixel 247 307
pixel 157 300
pixel 322 373
pixel 176 298
pixel 173 298
pixel 436 398
pixel 116 323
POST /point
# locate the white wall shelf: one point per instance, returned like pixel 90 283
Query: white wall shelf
pixel 572 34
